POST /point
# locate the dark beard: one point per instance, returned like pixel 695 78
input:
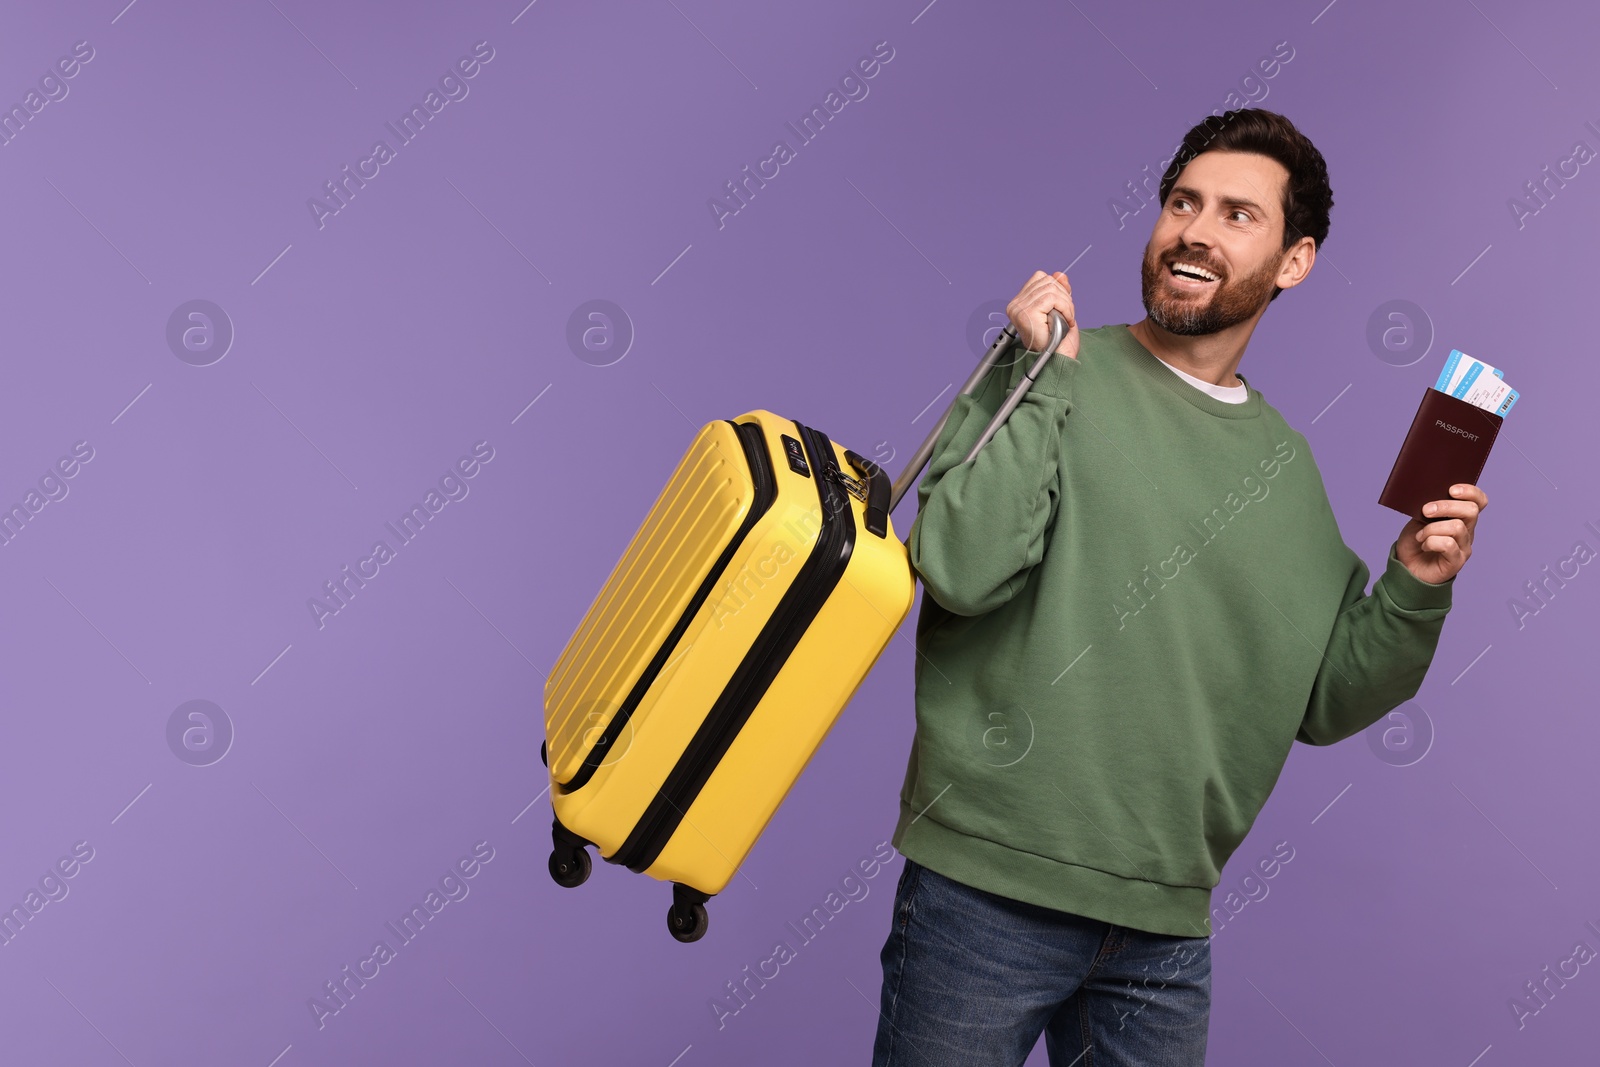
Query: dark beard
pixel 1232 302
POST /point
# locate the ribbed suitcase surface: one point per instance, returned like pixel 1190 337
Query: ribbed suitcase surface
pixel 689 527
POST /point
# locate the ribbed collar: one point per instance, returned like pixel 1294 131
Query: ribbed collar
pixel 1159 372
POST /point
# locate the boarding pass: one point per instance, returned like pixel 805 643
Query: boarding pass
pixel 1476 382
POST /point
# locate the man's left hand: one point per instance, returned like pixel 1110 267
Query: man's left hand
pixel 1436 547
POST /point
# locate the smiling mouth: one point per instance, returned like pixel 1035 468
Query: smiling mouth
pixel 1192 274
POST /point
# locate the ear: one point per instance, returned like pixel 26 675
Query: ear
pixel 1297 262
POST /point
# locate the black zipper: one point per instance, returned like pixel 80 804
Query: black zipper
pixel 754 443
pixel 812 587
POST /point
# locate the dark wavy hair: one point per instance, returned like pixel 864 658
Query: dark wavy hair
pixel 1307 197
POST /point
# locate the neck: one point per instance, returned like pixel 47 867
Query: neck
pixel 1211 357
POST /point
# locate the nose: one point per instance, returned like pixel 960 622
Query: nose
pixel 1199 232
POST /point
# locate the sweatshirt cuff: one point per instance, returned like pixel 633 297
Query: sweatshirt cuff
pixel 1411 593
pixel 1056 378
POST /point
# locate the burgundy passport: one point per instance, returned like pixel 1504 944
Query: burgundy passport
pixel 1448 444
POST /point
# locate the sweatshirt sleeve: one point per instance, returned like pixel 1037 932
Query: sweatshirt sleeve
pixel 1378 653
pixel 981 526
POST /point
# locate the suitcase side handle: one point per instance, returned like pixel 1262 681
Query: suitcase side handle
pixel 1008 337
pixel 878 490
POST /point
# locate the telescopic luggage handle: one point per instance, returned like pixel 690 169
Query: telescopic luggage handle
pixel 1008 337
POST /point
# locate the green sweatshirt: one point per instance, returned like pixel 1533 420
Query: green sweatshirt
pixel 1135 600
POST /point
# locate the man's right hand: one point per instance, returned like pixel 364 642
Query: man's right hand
pixel 1030 309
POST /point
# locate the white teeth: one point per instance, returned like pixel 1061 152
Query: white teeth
pixel 1198 270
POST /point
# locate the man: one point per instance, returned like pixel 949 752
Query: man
pixel 1136 599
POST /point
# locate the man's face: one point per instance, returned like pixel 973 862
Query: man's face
pixel 1223 215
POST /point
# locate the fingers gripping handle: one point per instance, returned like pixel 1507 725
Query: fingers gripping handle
pixel 1058 331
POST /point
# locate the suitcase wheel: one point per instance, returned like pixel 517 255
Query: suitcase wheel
pixel 569 867
pixel 544 753
pixel 688 923
pixel 569 856
pixel 686 918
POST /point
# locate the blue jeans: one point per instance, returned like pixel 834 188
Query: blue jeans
pixel 970 979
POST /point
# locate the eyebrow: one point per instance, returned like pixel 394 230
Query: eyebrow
pixel 1227 201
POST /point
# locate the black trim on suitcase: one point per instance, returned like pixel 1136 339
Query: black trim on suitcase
pixel 753 440
pixel 818 577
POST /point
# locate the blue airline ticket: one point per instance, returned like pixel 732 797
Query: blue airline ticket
pixel 1463 377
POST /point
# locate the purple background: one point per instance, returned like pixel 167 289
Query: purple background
pixel 433 310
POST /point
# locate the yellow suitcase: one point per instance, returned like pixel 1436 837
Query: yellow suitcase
pixel 762 587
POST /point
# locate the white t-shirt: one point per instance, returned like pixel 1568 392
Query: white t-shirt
pixel 1231 394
